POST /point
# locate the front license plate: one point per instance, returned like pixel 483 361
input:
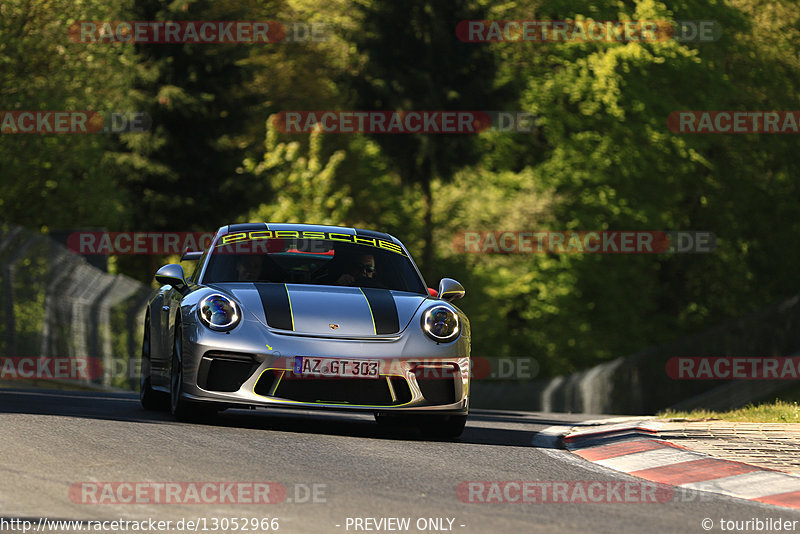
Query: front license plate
pixel 336 367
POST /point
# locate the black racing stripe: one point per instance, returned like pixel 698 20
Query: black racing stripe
pixel 373 233
pixel 384 311
pixel 275 299
pixel 246 227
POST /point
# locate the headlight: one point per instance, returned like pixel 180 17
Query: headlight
pixel 218 312
pixel 441 324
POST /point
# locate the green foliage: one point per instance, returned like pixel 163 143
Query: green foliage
pixel 607 161
pixel 59 180
pixel 196 94
pixel 420 65
pixel 600 158
pixel 328 179
pixel 305 186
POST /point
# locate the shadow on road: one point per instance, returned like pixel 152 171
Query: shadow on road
pixel 484 427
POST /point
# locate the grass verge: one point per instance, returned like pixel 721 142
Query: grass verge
pixel 779 411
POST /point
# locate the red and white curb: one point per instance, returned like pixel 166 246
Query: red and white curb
pixel 633 447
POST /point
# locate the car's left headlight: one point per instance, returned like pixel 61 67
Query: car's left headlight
pixel 441 324
pixel 219 312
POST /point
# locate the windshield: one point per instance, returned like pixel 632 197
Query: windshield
pixel 314 261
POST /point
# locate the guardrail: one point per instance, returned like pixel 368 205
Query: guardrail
pixel 57 306
pixel 640 384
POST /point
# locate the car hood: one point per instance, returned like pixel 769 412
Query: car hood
pixel 327 310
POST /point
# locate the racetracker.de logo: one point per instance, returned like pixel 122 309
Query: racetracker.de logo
pixel 581 31
pixel 177 493
pixel 382 122
pixel 562 491
pixel 169 32
pixel 733 368
pixel 42 367
pixel 477 368
pixel 146 243
pixel 73 122
pixel 583 242
pixel 734 122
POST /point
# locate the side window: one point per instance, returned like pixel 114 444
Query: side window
pixel 198 267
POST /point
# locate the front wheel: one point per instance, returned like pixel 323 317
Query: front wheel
pixel 443 426
pixel 182 409
pixel 433 426
pixel 150 398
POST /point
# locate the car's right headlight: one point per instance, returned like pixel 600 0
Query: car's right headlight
pixel 219 312
pixel 441 324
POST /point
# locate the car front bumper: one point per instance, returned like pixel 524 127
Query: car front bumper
pixel 254 368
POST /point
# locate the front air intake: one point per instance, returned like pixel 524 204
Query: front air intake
pixel 225 372
pixel 437 382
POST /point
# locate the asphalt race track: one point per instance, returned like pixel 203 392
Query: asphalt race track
pixel 55 444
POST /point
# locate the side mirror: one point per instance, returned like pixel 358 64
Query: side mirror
pixel 450 290
pixel 191 255
pixel 172 275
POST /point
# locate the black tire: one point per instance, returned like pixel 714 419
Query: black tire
pixel 150 398
pixel 183 409
pixel 433 426
pixel 395 425
pixel 442 426
pixel 392 420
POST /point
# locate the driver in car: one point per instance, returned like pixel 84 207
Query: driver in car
pixel 362 268
pixel 248 267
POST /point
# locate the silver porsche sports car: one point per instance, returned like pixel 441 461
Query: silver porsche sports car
pixel 307 316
